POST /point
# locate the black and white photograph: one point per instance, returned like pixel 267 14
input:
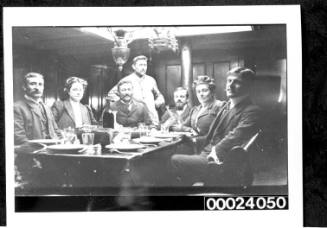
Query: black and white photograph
pixel 145 115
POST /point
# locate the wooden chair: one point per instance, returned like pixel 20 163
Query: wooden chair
pixel 236 170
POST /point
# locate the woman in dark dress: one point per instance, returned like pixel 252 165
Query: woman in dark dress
pixel 202 116
pixel 70 112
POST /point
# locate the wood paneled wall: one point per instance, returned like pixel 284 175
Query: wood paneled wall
pixel 166 68
pixel 102 79
pixel 28 60
pixel 214 64
pixel 56 69
pixel 269 66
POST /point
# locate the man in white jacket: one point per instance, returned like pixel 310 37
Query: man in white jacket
pixel 145 88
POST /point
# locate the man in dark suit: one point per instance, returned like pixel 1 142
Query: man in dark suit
pixel 180 112
pixel 130 112
pixel 145 88
pixel 32 118
pixel 235 124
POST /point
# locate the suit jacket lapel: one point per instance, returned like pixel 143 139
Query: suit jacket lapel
pixel 48 114
pixel 122 108
pixel 34 108
pixel 216 122
pixel 69 109
pixel 193 119
pixel 185 113
pixel 228 117
pixel 206 111
pixel 133 108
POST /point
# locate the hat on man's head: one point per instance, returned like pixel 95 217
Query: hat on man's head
pixel 140 57
pixel 245 74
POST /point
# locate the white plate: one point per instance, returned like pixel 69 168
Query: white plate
pixel 166 135
pixel 66 148
pixel 125 147
pixel 180 133
pixel 45 141
pixel 147 139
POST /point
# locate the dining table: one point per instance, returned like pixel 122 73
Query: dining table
pixel 110 171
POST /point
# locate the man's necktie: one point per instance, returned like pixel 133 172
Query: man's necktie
pixel 219 117
pixel 45 119
pixel 42 108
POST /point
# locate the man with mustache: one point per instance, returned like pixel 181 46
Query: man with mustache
pixel 176 116
pixel 130 111
pixel 32 118
pixel 145 88
pixel 235 124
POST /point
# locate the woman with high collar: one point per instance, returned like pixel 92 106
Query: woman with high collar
pixel 202 116
pixel 70 112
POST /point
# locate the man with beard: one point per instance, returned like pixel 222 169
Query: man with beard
pixel 145 88
pixel 177 115
pixel 32 118
pixel 235 124
pixel 130 111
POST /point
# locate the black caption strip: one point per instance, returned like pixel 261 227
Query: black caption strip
pixel 246 203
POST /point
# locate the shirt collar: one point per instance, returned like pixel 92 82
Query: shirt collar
pixel 138 77
pixel 208 104
pixel 39 100
pixel 73 102
pixel 129 103
pixel 235 101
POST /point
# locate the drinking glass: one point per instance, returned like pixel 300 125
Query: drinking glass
pixel 112 134
pixel 126 137
pixel 69 136
pixel 164 128
pixel 88 138
pixel 141 128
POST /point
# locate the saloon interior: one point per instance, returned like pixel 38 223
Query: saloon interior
pixel 60 52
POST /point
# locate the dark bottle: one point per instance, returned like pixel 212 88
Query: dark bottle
pixel 108 119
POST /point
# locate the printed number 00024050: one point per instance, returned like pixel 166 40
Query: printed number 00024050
pixel 246 203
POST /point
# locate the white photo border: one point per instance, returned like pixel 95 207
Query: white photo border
pixel 215 15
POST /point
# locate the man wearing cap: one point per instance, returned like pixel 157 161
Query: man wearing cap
pixel 32 118
pixel 145 88
pixel 234 125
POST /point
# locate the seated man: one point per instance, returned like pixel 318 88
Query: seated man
pixel 234 125
pixel 32 118
pixel 130 112
pixel 180 112
pixel 145 88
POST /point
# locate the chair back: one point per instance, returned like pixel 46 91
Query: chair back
pixel 236 169
pixel 251 141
